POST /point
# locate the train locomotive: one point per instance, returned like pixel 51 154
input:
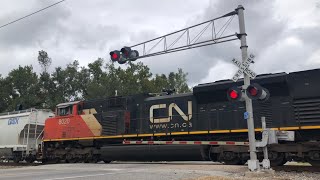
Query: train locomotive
pixel 95 130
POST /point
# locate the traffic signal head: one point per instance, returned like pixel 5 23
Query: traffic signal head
pixel 235 94
pixel 134 55
pixel 129 54
pixel 126 52
pixel 256 92
pixel 124 55
pixel 115 55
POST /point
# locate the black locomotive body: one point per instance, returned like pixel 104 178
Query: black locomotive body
pixel 294 102
pixel 206 114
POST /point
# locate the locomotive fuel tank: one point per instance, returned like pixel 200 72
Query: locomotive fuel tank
pixel 153 153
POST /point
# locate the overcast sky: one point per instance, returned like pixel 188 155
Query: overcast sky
pixel 283 34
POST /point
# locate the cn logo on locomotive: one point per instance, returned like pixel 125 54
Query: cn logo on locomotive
pixel 13 121
pixel 170 108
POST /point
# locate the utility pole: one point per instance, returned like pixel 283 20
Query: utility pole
pixel 253 163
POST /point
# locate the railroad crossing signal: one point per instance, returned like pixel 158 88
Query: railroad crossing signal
pixel 235 94
pixel 244 68
pixel 253 91
pixel 124 55
pixel 256 92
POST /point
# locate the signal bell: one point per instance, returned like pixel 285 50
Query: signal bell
pixel 256 92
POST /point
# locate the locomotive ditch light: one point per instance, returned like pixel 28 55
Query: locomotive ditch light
pixel 256 92
pixel 235 94
pixel 115 56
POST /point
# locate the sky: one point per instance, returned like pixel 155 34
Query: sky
pixel 284 35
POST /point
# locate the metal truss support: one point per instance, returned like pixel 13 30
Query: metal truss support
pixel 185 40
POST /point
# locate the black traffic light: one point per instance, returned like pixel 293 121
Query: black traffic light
pixel 256 92
pixel 124 55
pixel 129 54
pixel 235 94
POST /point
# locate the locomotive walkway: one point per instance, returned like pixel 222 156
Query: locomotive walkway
pixel 141 171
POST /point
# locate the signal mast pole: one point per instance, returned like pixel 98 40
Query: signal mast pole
pixel 253 163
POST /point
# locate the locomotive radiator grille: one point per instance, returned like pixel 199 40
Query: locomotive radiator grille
pixel 307 111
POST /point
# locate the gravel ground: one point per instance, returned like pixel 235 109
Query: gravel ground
pixel 277 176
pixel 8 167
pixel 162 170
pixel 238 172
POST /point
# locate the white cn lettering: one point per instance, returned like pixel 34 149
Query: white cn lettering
pixel 170 112
pixel 157 120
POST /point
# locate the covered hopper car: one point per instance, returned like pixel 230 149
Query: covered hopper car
pixel 21 134
pixel 144 127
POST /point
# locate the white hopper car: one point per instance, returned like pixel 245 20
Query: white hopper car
pixel 21 134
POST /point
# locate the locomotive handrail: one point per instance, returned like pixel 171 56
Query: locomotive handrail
pixel 17 112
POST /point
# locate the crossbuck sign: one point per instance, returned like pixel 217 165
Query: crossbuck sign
pixel 244 68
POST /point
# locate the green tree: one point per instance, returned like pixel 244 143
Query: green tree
pixel 5 92
pixel 96 86
pixel 23 83
pixel 44 60
pixel 72 82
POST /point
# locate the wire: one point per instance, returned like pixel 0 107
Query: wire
pixel 31 14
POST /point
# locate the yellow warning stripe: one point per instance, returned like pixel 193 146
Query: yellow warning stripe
pixel 288 128
pixel 240 130
pixel 220 131
pixel 183 133
pixel 310 127
pixel 198 132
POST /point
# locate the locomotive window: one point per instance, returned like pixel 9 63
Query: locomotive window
pixel 64 111
pixel 79 109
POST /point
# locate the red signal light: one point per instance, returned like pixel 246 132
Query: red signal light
pixel 233 94
pixel 253 91
pixel 115 55
pixel 256 92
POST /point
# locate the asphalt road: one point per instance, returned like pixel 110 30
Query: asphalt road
pixel 115 171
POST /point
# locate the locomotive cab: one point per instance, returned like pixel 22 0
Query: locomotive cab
pixel 69 109
pixel 72 121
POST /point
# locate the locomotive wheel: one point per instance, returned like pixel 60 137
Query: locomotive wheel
pixel 16 159
pixel 94 159
pixel 56 160
pixel 70 158
pixel 233 161
pixel 73 160
pixel 242 162
pixel 30 159
pixel 276 158
pixel 314 162
pixel 314 158
pixel 231 158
